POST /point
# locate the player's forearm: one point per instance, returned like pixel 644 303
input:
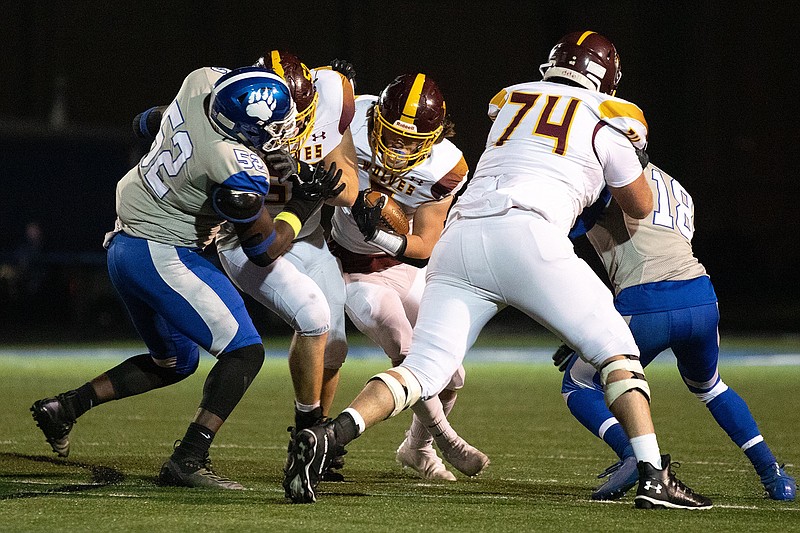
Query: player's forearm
pixel 264 240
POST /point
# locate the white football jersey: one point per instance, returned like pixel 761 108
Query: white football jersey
pixel 656 248
pixel 333 116
pixel 552 149
pixel 165 198
pixel 442 174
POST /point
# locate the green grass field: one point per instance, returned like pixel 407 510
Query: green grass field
pixel 542 473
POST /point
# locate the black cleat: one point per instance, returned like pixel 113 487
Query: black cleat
pixel 337 463
pixel 310 454
pixel 193 472
pixel 55 421
pixel 660 489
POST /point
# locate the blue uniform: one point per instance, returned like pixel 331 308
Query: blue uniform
pixel 176 298
pixel 669 302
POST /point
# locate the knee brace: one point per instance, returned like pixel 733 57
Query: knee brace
pixel 615 389
pixel 229 379
pixel 404 396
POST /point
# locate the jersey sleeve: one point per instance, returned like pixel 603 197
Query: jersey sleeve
pixel 627 118
pixel 452 181
pixel 496 103
pixel 238 168
pixel 348 104
pixel 617 156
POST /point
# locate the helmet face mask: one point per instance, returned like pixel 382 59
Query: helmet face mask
pixel 407 120
pixel 301 85
pixel 253 106
pixel 587 59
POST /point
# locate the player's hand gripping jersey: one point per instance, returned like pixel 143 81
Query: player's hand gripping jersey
pixel 442 174
pixel 552 149
pixel 165 198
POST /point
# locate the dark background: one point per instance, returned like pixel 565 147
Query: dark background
pixel 716 81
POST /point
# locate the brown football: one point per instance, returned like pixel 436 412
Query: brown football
pixel 392 216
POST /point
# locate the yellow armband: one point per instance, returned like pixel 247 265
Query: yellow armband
pixel 291 219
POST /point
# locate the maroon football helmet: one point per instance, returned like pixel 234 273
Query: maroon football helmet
pixel 407 120
pixel 586 58
pixel 301 85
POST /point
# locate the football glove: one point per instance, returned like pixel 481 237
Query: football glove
pixel 281 164
pixel 644 157
pixel 367 218
pixel 345 67
pixel 562 357
pixel 312 186
pixel 315 183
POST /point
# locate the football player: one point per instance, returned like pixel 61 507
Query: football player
pixel 203 168
pixel 668 300
pixel 404 151
pixel 554 145
pixel 306 290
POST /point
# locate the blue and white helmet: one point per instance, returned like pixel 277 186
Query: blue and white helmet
pixel 253 105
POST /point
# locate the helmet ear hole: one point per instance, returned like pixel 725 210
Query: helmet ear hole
pixel 253 105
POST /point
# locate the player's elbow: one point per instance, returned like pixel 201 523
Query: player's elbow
pixel 640 210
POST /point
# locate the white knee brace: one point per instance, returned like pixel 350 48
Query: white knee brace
pixel 404 396
pixel 616 389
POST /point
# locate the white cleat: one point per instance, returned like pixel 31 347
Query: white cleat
pixel 466 458
pixel 423 461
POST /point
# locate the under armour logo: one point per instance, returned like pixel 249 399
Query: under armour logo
pixel 649 486
pixel 318 136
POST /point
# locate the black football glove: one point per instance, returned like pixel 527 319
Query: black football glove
pixel 314 183
pixel 562 357
pixel 281 164
pixel 367 218
pixel 346 68
pixel 643 156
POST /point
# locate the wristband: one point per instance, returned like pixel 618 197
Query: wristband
pixel 390 243
pixel 260 248
pixel 291 219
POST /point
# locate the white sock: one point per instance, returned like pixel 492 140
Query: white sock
pixel 305 408
pixel 645 448
pixel 357 418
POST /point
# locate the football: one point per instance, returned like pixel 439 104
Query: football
pixel 392 216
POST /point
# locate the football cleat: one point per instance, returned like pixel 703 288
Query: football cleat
pixel 311 452
pixel 660 489
pixel 622 476
pixel 194 472
pixel 54 419
pixel 466 458
pixel 423 460
pixel 337 463
pixel 778 485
